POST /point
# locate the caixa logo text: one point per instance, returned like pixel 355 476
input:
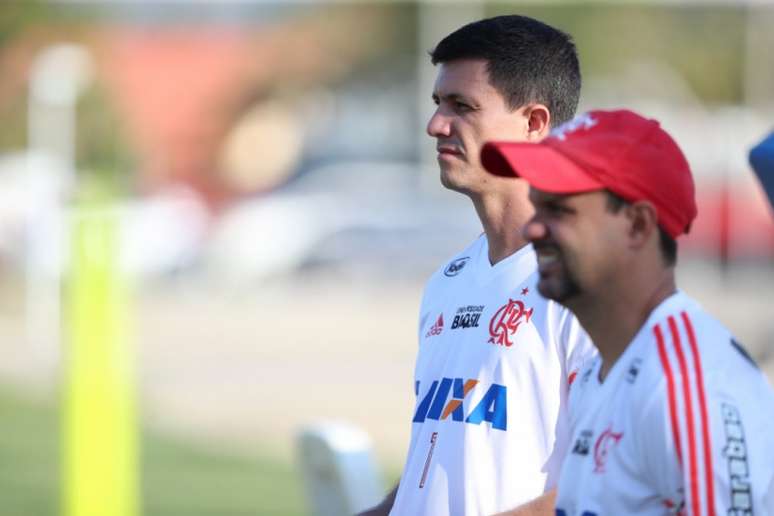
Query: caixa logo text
pixel 447 397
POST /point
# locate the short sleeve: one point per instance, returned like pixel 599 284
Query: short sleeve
pixel 742 454
pixel 768 497
pixel 711 451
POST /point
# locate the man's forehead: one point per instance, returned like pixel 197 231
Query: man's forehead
pixel 463 77
pixel 537 195
pixel 466 66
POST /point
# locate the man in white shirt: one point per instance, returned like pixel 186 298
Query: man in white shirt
pixel 673 417
pixel 495 360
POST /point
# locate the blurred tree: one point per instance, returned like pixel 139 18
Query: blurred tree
pixel 26 27
pixel 704 43
pixel 21 14
pixel 17 17
pixel 102 151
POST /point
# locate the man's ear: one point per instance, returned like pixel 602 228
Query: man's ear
pixel 643 220
pixel 538 122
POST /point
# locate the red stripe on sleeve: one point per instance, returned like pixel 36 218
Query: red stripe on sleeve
pixel 704 418
pixel 670 390
pixel 692 469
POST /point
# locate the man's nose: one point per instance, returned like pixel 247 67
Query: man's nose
pixel 534 230
pixel 439 125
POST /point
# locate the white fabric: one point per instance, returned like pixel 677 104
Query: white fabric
pixel 507 361
pixel 682 424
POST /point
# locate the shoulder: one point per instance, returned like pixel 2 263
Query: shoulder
pixel 689 338
pixel 685 344
pixel 461 263
pixel 451 275
pixel 703 370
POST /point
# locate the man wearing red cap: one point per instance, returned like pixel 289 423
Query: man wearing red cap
pixel 673 417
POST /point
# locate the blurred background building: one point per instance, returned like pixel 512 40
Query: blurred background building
pixel 281 210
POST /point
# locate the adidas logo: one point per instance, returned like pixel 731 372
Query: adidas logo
pixel 436 328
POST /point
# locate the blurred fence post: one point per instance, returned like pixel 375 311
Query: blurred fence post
pixel 59 76
pixel 339 472
pixel 100 441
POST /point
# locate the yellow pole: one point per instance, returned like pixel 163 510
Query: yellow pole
pixel 100 423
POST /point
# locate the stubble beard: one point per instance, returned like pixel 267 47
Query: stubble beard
pixel 562 289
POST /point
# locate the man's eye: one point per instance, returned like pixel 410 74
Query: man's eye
pixel 461 106
pixel 556 209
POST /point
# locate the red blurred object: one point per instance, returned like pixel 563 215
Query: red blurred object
pixel 733 222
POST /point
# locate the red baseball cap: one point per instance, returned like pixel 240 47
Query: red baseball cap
pixel 619 151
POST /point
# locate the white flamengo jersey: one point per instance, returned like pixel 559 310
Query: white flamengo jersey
pixel 682 424
pixel 490 423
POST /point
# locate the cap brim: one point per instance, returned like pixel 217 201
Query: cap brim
pixel 542 166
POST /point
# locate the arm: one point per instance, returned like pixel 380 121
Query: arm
pixel 384 508
pixel 541 506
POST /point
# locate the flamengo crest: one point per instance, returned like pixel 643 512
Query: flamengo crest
pixel 602 448
pixel 506 321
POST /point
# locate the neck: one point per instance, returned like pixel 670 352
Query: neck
pixel 503 214
pixel 613 319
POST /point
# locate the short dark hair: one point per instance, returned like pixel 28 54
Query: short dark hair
pixel 527 60
pixel 667 244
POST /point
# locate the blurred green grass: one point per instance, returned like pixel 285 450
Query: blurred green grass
pixel 178 478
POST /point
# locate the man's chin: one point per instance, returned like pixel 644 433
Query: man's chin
pixel 560 292
pixel 547 291
pixel 445 178
pixel 449 179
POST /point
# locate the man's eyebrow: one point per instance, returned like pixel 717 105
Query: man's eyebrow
pixel 541 194
pixel 451 97
pixel 547 197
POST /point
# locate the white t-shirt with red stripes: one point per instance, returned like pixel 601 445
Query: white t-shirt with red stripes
pixel 489 427
pixel 682 424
